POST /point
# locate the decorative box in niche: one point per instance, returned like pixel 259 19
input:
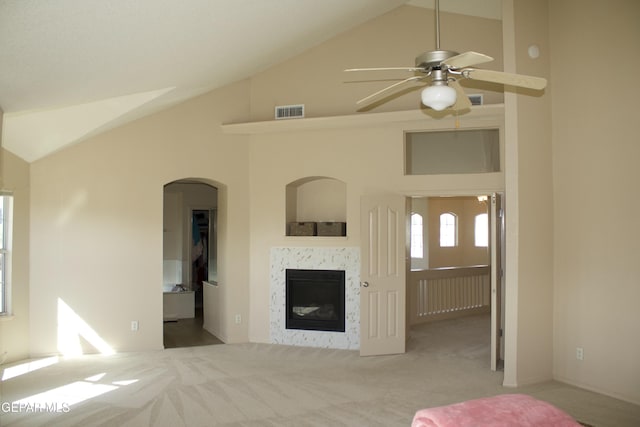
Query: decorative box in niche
pixel 332 229
pixel 302 229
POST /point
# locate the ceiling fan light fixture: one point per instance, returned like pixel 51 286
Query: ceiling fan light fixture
pixel 438 97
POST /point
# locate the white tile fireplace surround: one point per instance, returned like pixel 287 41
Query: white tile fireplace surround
pixel 321 258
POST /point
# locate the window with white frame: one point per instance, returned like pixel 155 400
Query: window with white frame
pixel 417 244
pixel 5 250
pixel 482 230
pixel 448 230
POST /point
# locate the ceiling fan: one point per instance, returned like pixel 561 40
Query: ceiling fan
pixel 443 68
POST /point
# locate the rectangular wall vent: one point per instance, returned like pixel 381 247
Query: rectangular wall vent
pixel 475 99
pixel 289 111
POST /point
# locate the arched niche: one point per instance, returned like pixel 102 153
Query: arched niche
pixel 316 199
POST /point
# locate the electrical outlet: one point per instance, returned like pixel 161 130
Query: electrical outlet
pixel 238 319
pixel 134 325
pixel 579 353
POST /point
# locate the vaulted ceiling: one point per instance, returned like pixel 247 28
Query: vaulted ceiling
pixel 70 69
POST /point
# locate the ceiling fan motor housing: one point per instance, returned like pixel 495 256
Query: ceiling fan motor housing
pixel 433 58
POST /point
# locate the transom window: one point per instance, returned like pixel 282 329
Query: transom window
pixel 452 152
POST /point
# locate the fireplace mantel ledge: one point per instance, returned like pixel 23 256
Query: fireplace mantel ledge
pixel 492 112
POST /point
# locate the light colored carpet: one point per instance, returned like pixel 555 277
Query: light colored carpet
pixel 274 385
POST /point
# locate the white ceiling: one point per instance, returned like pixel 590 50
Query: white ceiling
pixel 72 68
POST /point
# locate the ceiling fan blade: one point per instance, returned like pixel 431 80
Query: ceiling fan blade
pixel 348 70
pixel 467 59
pixel 519 80
pixel 462 100
pixel 388 88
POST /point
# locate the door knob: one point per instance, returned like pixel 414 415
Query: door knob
pixel 364 284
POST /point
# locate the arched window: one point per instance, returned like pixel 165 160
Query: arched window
pixel 417 248
pixel 482 230
pixel 448 230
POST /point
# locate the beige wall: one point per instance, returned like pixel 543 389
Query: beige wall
pixel 172 240
pixel 14 330
pixel 97 223
pixel 316 78
pixel 596 176
pixel 529 204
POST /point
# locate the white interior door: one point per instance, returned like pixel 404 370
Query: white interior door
pixel 383 273
pixel 496 234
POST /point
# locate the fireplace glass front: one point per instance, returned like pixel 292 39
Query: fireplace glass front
pixel 315 300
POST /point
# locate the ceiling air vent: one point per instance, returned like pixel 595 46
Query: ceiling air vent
pixel 476 99
pixel 289 111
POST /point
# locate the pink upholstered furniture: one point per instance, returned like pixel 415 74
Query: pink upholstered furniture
pixel 507 410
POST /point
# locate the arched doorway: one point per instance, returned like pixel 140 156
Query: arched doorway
pixel 190 256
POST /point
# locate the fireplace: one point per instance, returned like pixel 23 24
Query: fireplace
pixel 315 300
pixel 345 259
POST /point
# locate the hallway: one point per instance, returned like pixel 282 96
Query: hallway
pixel 187 332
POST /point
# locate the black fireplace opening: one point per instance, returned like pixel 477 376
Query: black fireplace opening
pixel 315 300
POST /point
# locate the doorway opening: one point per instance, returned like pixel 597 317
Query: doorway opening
pixel 456 253
pixel 189 261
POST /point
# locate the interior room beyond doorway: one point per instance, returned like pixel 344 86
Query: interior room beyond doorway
pixel 449 232
pixel 450 273
pixel 189 260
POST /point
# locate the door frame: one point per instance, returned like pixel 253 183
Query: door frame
pixel 497 257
